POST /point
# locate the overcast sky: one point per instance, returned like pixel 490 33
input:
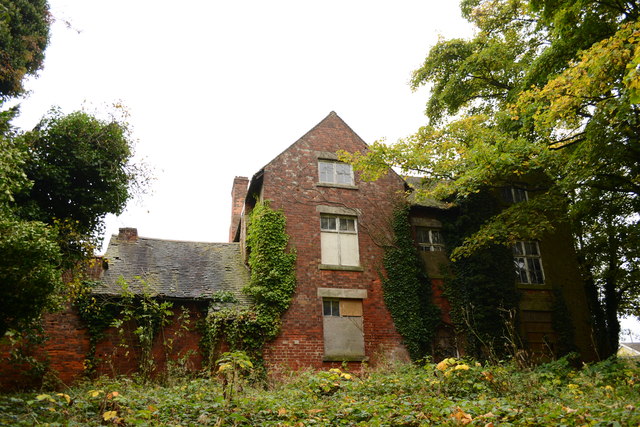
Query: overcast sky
pixel 217 89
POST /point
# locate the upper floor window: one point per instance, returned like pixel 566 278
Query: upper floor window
pixel 429 239
pixel 335 172
pixel 339 240
pixel 514 194
pixel 526 256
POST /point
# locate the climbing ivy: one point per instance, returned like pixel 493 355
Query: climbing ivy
pixel 481 287
pixel 407 289
pixel 271 289
pixel 147 313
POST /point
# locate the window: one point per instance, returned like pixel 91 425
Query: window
pixel 527 262
pixel 514 194
pixel 339 240
pixel 343 329
pixel 335 173
pixel 429 239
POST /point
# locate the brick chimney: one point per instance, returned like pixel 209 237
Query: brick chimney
pixel 238 194
pixel 128 234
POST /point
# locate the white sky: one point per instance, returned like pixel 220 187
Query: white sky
pixel 217 89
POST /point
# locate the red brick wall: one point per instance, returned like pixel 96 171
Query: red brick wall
pixel 67 346
pixel 65 349
pixel 290 182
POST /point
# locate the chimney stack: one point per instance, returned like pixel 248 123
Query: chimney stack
pixel 128 234
pixel 238 194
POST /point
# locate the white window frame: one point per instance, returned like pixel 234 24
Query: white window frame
pixel 514 194
pixel 334 176
pixel 341 227
pixel 434 241
pixel 528 263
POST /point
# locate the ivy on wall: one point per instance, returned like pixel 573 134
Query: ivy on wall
pixel 271 289
pixel 146 313
pixel 481 287
pixel 407 289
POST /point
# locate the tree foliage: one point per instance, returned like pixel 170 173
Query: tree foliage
pixel 545 93
pixel 80 170
pixel 57 182
pixel 24 34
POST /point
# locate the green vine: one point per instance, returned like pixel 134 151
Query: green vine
pixel 481 287
pixel 23 352
pixel 147 313
pixel 271 289
pixel 407 290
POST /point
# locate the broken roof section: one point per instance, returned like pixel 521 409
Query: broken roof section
pixel 173 269
pixel 415 182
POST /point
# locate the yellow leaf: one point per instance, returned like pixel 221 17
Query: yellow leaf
pixel 461 416
pixel 66 397
pixel 281 412
pixel 109 415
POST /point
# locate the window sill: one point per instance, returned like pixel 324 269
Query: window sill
pixel 534 286
pixel 344 359
pixel 340 267
pixel 330 184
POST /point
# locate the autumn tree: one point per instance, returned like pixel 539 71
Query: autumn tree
pixel 546 92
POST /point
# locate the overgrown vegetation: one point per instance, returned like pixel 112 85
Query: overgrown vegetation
pixel 271 289
pixel 542 89
pixel 57 181
pixel 140 313
pixel 481 287
pixel 407 290
pixel 452 392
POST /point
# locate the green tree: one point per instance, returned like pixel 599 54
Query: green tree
pixel 57 182
pixel 546 92
pixel 80 170
pixel 24 35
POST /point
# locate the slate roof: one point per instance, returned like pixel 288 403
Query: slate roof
pixel 174 269
pixel 633 346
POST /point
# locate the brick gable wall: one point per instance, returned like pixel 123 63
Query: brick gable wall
pixel 291 184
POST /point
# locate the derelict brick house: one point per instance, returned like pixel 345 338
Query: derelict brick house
pixel 338 225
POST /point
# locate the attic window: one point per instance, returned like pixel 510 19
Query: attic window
pixel 331 172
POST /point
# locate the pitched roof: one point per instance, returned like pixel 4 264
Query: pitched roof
pixel 633 347
pixel 415 182
pixel 174 269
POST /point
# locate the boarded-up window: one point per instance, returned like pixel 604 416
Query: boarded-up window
pixel 339 240
pixel 343 329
